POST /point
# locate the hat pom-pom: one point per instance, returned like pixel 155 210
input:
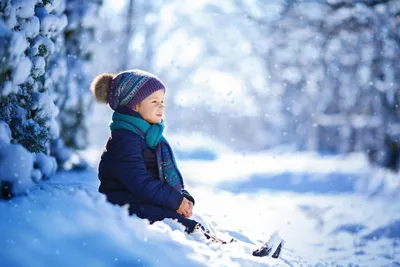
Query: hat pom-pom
pixel 100 87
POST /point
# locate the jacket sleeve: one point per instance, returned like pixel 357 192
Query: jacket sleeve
pixel 131 171
pixel 186 194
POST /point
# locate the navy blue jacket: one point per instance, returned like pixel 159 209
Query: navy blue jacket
pixel 128 173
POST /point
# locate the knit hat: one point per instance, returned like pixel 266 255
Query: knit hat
pixel 127 88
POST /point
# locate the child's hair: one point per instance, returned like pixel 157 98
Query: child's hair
pixel 126 88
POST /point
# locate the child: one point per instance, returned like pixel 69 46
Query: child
pixel 138 166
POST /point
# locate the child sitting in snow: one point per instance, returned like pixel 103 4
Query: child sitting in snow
pixel 138 166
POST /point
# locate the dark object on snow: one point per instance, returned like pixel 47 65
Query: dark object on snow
pixel 277 251
pixel 6 190
pixel 265 250
pixel 200 228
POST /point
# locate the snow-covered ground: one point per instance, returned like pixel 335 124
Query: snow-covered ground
pixel 330 210
pixel 65 222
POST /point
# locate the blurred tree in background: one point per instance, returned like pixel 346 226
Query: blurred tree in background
pixel 319 75
pixel 307 75
pixel 69 77
pixel 44 100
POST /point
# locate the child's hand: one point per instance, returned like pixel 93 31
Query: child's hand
pixel 191 209
pixel 186 208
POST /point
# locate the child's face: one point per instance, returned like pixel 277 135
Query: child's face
pixel 152 107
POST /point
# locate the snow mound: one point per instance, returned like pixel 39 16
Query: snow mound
pixel 15 169
pixel 91 232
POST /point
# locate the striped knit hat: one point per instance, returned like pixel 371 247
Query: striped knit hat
pixel 130 87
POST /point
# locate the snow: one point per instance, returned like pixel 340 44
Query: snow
pixel 10 18
pixel 55 6
pixel 49 25
pixel 5 132
pixel 330 210
pixel 31 27
pixel 60 152
pixel 86 223
pixel 22 71
pixel 38 66
pixel 345 226
pixel 46 165
pixel 8 88
pixel 24 8
pixel 15 167
pixel 19 44
pixel 15 60
pixel 42 102
pixel 41 46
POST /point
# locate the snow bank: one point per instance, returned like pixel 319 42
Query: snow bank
pixel 78 227
pixel 65 222
pixel 15 169
pixel 19 168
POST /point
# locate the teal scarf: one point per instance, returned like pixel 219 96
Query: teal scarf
pixel 153 135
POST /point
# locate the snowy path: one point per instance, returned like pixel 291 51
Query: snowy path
pixel 65 222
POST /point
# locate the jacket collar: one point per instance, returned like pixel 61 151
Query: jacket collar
pixel 128 111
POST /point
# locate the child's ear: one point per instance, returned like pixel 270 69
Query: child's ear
pixel 136 108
